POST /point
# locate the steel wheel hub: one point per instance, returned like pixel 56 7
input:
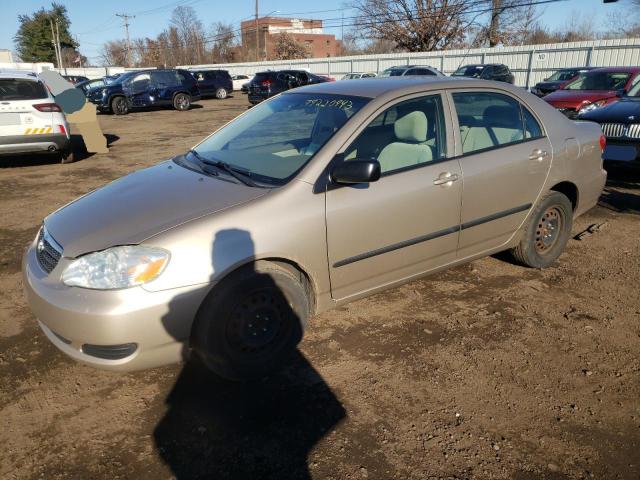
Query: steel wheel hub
pixel 548 229
pixel 256 322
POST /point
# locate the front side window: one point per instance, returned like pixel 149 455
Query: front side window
pixel 275 139
pixel 408 134
pixel 599 81
pixel 487 120
pixel 562 75
pixel 139 83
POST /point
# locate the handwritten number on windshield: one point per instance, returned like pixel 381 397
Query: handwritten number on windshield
pixel 324 103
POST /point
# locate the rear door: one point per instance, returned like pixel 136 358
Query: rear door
pixel 18 114
pixel 407 222
pixel 505 159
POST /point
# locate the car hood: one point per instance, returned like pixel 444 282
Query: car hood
pixel 618 112
pixel 140 205
pixel 575 98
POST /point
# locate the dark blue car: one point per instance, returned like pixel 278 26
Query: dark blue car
pixel 146 88
pixel 216 83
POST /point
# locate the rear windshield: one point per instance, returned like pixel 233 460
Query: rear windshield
pixel 393 72
pixel 262 76
pixel 20 89
pixel 599 81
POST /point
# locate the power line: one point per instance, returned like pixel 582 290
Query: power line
pixel 126 18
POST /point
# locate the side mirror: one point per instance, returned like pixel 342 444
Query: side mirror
pixel 356 171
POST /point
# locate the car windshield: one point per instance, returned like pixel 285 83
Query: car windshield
pixel 275 139
pixel 562 76
pixel 122 78
pixel 393 72
pixel 599 81
pixel 21 89
pixel 468 71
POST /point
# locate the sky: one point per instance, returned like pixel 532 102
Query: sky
pixel 94 21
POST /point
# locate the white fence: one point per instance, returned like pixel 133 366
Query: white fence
pixel 529 63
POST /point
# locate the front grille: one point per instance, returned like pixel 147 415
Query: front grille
pixel 47 253
pixel 634 131
pixel 619 130
pixel 110 352
pixel 613 130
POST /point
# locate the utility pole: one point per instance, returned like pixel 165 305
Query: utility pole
pixel 126 18
pixel 58 42
pixel 257 38
pixel 53 42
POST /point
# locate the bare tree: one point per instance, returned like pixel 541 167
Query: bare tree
pixel 288 48
pixel 413 25
pixel 114 52
pixel 224 42
pixel 190 34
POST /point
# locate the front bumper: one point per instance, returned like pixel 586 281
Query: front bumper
pixel 14 144
pixel 622 153
pixel 81 322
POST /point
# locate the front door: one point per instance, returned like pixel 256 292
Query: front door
pixel 407 222
pixel 137 90
pixel 506 157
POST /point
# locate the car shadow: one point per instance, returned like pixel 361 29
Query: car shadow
pixel 38 159
pixel 218 429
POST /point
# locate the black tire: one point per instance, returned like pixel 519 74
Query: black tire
pixel 119 106
pixel 547 232
pixel 221 94
pixel 67 157
pixel 250 324
pixel 181 102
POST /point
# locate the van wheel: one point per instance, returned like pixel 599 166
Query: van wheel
pixel 119 106
pixel 547 232
pixel 221 93
pixel 67 157
pixel 182 102
pixel 251 322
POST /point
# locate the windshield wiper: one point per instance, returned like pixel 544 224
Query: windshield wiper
pixel 241 175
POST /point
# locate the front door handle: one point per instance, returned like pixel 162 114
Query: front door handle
pixel 538 155
pixel 446 179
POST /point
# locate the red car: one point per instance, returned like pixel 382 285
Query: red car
pixel 593 89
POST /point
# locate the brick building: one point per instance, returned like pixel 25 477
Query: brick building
pixel 308 32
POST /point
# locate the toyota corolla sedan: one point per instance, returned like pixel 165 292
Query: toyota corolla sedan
pixel 316 197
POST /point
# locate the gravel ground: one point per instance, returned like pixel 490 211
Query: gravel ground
pixel 488 370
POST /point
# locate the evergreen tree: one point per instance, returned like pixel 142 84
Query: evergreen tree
pixel 34 40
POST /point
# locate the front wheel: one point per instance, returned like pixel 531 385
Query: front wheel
pixel 221 93
pixel 181 102
pixel 119 106
pixel 547 232
pixel 251 322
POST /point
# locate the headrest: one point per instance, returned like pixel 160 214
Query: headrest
pixel 412 127
pixel 502 116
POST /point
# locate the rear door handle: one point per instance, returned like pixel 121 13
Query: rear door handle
pixel 538 155
pixel 446 179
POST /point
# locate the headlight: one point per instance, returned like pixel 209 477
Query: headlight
pixel 591 106
pixel 117 267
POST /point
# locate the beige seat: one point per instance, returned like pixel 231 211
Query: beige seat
pixel 411 147
pixel 501 125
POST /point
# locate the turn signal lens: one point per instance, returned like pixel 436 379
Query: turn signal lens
pixel 603 142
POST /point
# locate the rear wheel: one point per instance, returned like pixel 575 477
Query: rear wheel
pixel 67 157
pixel 181 102
pixel 119 106
pixel 250 324
pixel 221 93
pixel 547 232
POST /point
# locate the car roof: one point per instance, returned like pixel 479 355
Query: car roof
pixel 29 75
pixel 617 69
pixel 369 88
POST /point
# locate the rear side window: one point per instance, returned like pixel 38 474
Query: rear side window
pixel 166 79
pixel 532 128
pixel 19 89
pixel 487 120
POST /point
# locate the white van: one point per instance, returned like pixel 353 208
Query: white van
pixel 30 120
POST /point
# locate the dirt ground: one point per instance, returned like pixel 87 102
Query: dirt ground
pixel 489 370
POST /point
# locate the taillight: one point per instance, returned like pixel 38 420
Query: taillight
pixel 62 129
pixel 47 107
pixel 266 83
pixel 603 142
